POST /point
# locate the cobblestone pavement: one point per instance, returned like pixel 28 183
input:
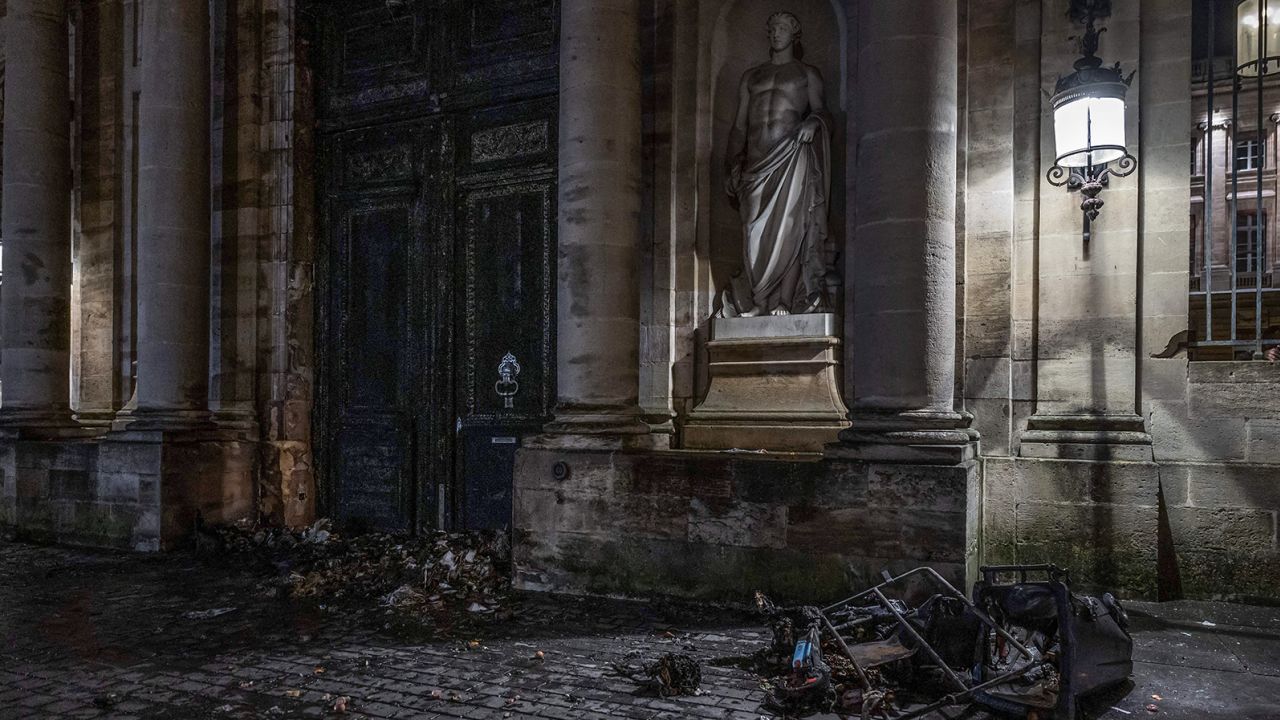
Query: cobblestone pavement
pixel 89 634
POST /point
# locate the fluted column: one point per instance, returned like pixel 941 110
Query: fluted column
pixel 903 268
pixel 35 354
pixel 173 215
pixel 598 308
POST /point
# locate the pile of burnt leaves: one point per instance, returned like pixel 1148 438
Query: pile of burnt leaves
pixel 467 571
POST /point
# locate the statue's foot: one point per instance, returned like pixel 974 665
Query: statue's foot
pixel 755 311
pixel 780 311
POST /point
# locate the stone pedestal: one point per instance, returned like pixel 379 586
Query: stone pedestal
pixel 718 526
pixel 775 385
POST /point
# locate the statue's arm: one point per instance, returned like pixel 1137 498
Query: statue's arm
pixel 737 149
pixel 817 106
pixel 817 92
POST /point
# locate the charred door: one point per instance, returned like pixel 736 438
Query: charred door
pixel 437 145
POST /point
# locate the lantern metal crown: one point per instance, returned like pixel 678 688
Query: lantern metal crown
pixel 1089 119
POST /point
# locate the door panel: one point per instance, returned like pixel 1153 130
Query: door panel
pixel 506 335
pixel 378 265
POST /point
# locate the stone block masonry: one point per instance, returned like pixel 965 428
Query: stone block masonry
pixel 132 490
pixel 1097 519
pixel 722 525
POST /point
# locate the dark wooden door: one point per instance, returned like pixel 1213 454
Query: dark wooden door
pixel 437 131
pixel 383 413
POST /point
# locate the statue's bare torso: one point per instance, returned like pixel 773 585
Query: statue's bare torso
pixel 777 102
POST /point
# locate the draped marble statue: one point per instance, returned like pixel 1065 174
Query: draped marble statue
pixel 778 174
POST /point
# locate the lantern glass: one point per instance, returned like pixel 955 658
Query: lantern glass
pixel 1254 18
pixel 1089 130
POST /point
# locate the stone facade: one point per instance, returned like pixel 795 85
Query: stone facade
pixel 1007 383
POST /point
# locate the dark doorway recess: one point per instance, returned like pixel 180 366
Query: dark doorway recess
pixel 436 129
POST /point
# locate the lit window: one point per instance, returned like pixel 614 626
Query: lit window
pixel 1249 153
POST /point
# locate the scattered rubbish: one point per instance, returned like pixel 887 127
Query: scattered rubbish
pixel 293 693
pixel 206 614
pixel 435 571
pixel 1121 710
pixel 1029 648
pixel 539 656
pixel 1206 623
pixel 1156 697
pixel 340 704
pixel 671 674
pixel 1153 708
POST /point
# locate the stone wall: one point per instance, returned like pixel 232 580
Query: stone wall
pixel 720 525
pixel 132 490
pixel 1054 325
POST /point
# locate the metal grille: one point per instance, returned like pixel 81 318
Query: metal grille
pixel 1235 303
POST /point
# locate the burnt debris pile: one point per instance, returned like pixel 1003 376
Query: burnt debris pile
pixel 1027 647
pixel 467 570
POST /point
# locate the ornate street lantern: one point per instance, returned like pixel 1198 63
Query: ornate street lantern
pixel 1258 37
pixel 1088 124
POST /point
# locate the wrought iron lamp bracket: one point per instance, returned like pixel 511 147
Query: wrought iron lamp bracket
pixel 1090 180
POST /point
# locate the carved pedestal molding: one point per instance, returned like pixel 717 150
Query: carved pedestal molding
pixel 902 271
pixel 774 385
pixel 35 364
pixel 174 220
pixel 598 295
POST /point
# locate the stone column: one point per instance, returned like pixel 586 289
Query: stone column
pixel 902 269
pixel 35 362
pixel 173 215
pixel 598 268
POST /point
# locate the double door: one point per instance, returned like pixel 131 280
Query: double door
pixel 435 265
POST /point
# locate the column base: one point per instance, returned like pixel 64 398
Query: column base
pixel 1087 437
pixel 597 441
pixel 597 420
pixel 235 418
pixel 612 427
pixel 163 420
pixel 96 418
pixel 925 437
pixel 40 422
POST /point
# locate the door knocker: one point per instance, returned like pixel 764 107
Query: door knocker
pixel 506 386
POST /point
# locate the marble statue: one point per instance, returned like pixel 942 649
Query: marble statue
pixel 777 171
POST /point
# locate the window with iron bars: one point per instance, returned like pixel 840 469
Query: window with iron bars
pixel 1234 297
